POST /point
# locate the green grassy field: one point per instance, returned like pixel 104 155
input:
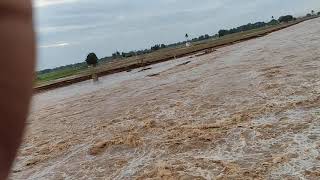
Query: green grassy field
pixel 58 74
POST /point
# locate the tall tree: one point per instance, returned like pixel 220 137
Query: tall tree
pixel 92 59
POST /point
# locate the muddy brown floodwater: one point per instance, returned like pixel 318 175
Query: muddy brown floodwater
pixel 246 111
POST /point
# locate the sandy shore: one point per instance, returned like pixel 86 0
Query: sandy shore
pixel 250 110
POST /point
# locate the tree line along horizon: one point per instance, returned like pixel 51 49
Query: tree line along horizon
pixel 92 59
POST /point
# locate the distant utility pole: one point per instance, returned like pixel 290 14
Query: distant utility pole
pixel 187 40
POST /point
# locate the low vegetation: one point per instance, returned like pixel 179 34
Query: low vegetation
pixel 287 18
pixel 247 27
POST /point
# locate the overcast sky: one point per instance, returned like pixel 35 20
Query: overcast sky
pixel 69 29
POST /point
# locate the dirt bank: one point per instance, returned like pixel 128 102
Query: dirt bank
pixel 250 110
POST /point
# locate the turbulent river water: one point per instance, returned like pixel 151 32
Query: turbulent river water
pixel 247 111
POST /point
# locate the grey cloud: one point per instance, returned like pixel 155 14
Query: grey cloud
pixel 104 26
